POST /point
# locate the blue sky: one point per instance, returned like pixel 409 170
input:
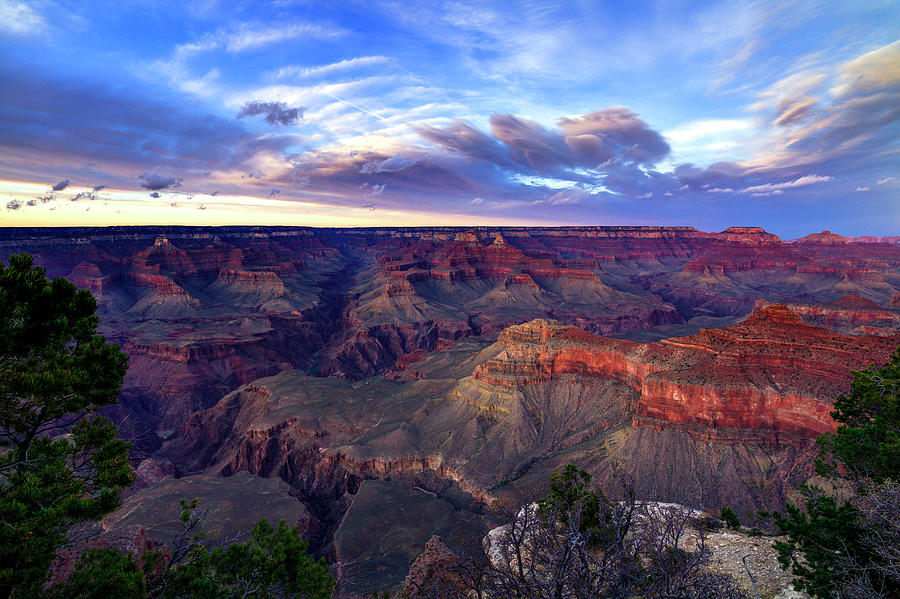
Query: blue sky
pixel 781 115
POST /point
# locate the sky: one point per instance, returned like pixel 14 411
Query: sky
pixel 784 115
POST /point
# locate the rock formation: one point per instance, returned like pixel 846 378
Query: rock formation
pixel 850 314
pixel 461 364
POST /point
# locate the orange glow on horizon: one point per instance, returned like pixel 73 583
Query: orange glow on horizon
pixel 132 208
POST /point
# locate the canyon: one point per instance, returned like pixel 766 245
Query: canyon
pixel 444 369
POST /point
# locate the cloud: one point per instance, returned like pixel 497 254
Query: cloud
pixel 615 132
pixel 84 195
pixel 119 132
pixel 391 165
pixel 330 69
pixel 181 75
pixel 567 196
pixel 875 71
pixel 155 194
pixel 462 137
pixel 806 180
pixel 886 180
pixel 695 131
pixel 253 36
pixel 97 188
pixel 154 180
pixel 276 113
pixel 14 204
pixel 590 142
pixel 273 192
pixel 532 145
pixel 720 174
pixel 60 186
pixel 863 188
pixel 791 111
pixel 848 125
pixel 17 18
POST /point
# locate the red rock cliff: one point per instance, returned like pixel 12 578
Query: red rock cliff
pixel 771 372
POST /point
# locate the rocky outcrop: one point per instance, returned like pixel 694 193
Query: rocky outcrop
pixel 748 236
pixel 850 314
pixel 433 571
pixel 362 565
pixel 825 236
pixel 770 374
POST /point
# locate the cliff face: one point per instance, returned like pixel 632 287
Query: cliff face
pixel 199 313
pixel 476 414
pixel 204 310
pixel 723 417
pixel 771 374
pixel 850 314
pixel 455 361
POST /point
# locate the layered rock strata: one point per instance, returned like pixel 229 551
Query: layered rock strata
pixel 772 372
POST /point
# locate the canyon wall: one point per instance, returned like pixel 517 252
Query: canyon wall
pixel 465 365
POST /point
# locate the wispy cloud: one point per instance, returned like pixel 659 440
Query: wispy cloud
pixel 179 68
pixel 333 68
pixel 20 19
pixel 254 36
pixel 807 180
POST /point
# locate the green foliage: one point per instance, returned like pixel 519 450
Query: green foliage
pixel 103 574
pixel 273 563
pixel 571 497
pixel 866 445
pixel 54 371
pixel 830 544
pixel 52 362
pixel 730 518
pixel 829 532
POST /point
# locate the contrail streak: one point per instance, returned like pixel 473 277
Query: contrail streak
pixel 356 106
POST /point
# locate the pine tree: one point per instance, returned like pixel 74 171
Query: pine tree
pixel 60 465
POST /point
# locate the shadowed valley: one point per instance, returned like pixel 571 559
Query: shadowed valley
pixel 441 369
